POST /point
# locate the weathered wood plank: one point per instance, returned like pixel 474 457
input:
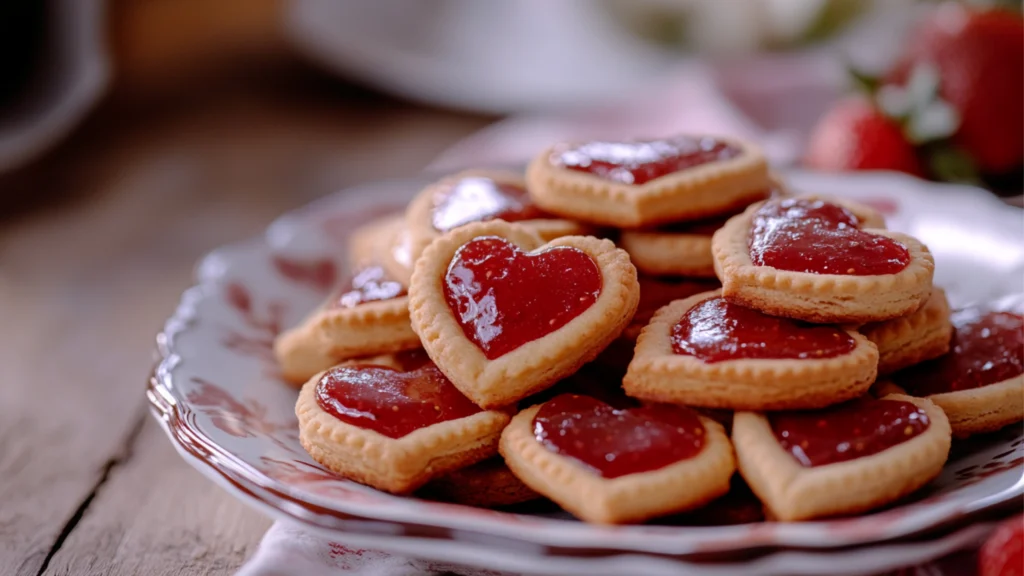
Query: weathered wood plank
pixel 157 516
pixel 85 283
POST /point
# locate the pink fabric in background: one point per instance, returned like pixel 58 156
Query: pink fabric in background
pixel 772 100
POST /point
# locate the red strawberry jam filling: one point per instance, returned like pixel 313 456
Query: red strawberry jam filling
pixel 638 162
pixel 813 236
pixel 476 198
pixel 656 292
pixel 614 442
pixel 503 297
pixel 847 431
pixel 392 402
pixel 987 347
pixel 371 284
pixel 715 331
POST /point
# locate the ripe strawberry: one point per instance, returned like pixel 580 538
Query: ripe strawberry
pixel 856 135
pixel 1003 552
pixel 980 58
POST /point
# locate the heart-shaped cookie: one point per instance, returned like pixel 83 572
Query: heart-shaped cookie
pixel 488 484
pixel 479 196
pixel 847 458
pixel 706 351
pixel 643 182
pixel 614 465
pixel 368 314
pixel 822 261
pixel 921 335
pixel 979 383
pixel 393 422
pixel 504 316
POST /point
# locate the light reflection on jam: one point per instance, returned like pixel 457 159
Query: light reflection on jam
pixel 614 442
pixel 370 284
pixel 715 331
pixel 391 402
pixel 475 199
pixel 847 431
pixel 638 162
pixel 503 297
pixel 817 237
pixel 987 347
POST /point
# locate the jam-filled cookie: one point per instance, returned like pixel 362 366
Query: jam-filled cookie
pixel 681 248
pixel 368 315
pixel 488 484
pixel 645 182
pixel 921 335
pixel 615 465
pixel 821 261
pixel 393 422
pixel 504 315
pixel 656 292
pixel 848 458
pixel 478 196
pixel 677 249
pixel 979 383
pixel 706 351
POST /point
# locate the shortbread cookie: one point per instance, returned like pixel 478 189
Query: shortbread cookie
pixel 845 459
pixel 809 258
pixel 396 258
pixel 656 292
pixel 487 484
pixel 705 351
pixel 646 182
pixel 504 315
pixel 679 249
pixel 393 422
pixel 980 382
pixel 921 335
pixel 478 196
pixel 613 466
pixel 368 315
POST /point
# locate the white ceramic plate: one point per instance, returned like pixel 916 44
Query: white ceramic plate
pixel 216 393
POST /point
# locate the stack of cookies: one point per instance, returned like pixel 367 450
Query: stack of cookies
pixel 468 356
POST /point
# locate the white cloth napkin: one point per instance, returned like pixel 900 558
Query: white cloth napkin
pixel 289 550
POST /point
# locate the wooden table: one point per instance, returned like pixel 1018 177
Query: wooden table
pixel 97 240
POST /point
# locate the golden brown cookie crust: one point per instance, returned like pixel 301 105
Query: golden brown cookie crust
pixel 826 298
pixel 487 484
pixel 685 195
pixel 535 365
pixel 397 465
pixel 419 214
pixel 333 334
pixel 792 492
pixel 632 498
pixel 977 410
pixel 669 254
pixel 921 335
pixel 658 374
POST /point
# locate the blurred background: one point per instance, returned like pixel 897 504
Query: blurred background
pixel 136 135
pixel 295 99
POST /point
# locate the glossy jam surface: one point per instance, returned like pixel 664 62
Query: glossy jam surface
pixel 504 297
pixel 641 161
pixel 656 292
pixel 614 442
pixel 716 330
pixel 847 431
pixel 987 347
pixel 801 235
pixel 475 199
pixel 392 402
pixel 370 284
